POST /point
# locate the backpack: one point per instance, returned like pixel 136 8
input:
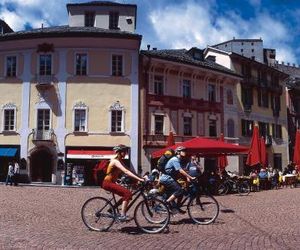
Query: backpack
pixel 163 160
pixel 100 171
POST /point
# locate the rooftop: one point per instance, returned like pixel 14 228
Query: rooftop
pixel 184 56
pixel 67 31
pixel 101 3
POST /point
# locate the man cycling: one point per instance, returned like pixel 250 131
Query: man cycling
pixel 114 169
pixel 170 175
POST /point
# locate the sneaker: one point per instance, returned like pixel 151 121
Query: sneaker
pixel 123 218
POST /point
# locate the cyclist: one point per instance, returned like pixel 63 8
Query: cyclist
pixel 114 169
pixel 170 176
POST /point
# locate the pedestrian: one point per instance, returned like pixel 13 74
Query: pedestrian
pixel 16 173
pixel 10 174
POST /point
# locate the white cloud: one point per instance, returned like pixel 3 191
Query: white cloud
pixel 34 12
pixel 192 24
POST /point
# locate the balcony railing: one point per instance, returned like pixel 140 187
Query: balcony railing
pixel 43 135
pixel 44 80
pixel 181 102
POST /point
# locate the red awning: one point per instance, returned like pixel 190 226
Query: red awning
pixel 206 147
pixel 91 154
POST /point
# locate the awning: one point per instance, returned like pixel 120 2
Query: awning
pixel 8 152
pixel 91 154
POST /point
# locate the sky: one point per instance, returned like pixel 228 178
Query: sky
pixel 172 24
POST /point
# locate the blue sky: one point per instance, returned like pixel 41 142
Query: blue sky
pixel 184 24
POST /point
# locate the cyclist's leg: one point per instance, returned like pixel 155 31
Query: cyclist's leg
pixel 121 191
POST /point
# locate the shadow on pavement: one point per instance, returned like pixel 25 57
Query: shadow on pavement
pixel 136 231
pixel 227 211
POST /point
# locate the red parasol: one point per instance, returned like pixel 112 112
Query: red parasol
pixel 205 146
pixel 263 152
pixel 254 152
pixel 222 159
pixel 296 158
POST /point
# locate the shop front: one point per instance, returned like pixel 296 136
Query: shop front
pixel 8 153
pixel 80 162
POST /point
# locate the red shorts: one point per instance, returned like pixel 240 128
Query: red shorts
pixel 117 189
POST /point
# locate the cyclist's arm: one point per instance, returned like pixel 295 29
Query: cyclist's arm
pixel 126 171
pixel 186 175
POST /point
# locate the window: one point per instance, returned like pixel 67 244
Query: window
pixel 276 102
pixel 247 127
pixel 262 98
pixel 43 121
pixel 252 50
pixel 230 128
pixel 242 50
pixel 80 117
pixel 117 65
pixel 277 131
pixel 114 20
pixel 89 19
pixel 45 64
pixel 117 113
pixel 278 161
pixel 116 120
pixel 187 126
pixel 11 66
pixel 186 84
pixel 247 96
pixel 212 128
pixel 263 129
pixel 211 93
pixel 159 85
pixel 159 124
pixel 81 64
pixel 229 97
pixel 9 119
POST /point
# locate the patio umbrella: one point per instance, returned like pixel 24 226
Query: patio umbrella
pixel 222 159
pixel 263 152
pixel 200 145
pixel 253 157
pixel 296 158
pixel 170 139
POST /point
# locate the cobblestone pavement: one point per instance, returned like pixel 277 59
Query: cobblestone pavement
pixel 49 218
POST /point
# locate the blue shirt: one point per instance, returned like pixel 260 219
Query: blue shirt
pixel 173 166
pixel 193 169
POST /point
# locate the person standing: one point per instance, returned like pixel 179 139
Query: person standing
pixel 10 174
pixel 16 173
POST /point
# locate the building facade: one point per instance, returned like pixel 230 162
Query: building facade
pixel 184 94
pixel 262 101
pixel 71 92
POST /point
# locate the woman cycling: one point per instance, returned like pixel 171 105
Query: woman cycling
pixel 114 169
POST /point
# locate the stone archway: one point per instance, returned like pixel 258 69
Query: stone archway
pixel 41 165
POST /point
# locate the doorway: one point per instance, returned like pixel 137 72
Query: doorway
pixel 41 166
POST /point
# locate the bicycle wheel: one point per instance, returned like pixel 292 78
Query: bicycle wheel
pixel 98 214
pixel 203 209
pixel 152 215
pixel 243 188
pixel 222 189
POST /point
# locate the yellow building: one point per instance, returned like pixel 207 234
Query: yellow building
pixel 261 100
pixel 70 93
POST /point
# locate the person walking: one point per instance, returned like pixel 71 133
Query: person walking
pixel 10 174
pixel 16 173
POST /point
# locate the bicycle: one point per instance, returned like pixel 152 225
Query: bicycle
pixel 151 215
pixel 242 187
pixel 203 209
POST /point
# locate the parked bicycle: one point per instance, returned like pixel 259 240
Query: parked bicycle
pixel 239 186
pixel 151 215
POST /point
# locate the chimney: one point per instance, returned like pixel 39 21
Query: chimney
pixel 148 46
pixel 154 48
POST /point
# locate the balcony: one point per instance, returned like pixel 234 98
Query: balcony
pixel 43 135
pixel 247 108
pixel 184 103
pixel 44 81
pixel 276 112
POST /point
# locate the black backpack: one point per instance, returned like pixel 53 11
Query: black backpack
pixel 162 162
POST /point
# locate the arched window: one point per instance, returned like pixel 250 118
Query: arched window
pixel 229 97
pixel 230 128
